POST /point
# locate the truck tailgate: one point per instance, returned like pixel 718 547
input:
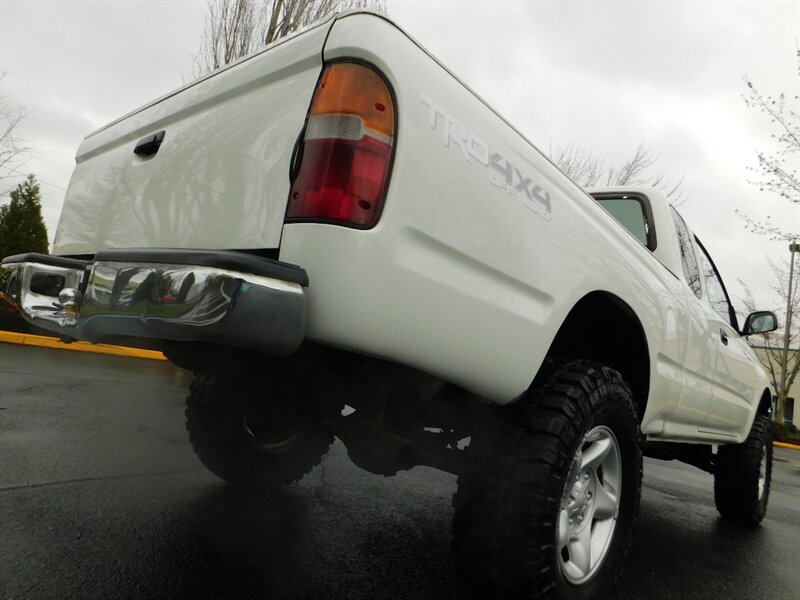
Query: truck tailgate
pixel 219 179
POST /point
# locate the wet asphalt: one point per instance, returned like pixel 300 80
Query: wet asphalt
pixel 101 497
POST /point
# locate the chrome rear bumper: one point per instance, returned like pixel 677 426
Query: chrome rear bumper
pixel 211 296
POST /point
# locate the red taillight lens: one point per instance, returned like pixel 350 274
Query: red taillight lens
pixel 346 150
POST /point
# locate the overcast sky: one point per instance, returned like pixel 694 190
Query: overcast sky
pixel 601 75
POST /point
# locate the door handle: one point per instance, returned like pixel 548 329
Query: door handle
pixel 723 336
pixel 148 146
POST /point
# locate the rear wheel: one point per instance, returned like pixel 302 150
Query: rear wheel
pixel 548 507
pixel 743 475
pixel 253 435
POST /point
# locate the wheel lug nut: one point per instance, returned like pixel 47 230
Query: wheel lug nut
pixel 586 476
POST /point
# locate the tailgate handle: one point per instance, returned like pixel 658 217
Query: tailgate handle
pixel 148 146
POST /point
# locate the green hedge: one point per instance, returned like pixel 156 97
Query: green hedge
pixel 785 432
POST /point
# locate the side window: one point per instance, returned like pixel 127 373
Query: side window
pixel 688 258
pixel 715 289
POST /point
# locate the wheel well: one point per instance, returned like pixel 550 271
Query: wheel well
pixel 603 328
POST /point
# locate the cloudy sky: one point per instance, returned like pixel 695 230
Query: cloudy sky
pixel 604 76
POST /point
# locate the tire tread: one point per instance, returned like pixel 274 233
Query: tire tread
pixel 506 505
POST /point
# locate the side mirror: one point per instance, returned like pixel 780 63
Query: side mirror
pixel 760 322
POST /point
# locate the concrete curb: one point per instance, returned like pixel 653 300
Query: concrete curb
pixel 785 445
pixel 29 339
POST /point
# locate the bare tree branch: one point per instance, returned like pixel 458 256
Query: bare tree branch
pixel 782 368
pixel 236 28
pixel 12 147
pixel 579 164
pixel 630 173
pixel 778 172
pixel 586 169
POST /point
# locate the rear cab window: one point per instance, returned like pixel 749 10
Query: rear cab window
pixel 633 213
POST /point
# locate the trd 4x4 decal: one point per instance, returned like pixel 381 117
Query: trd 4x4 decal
pixel 502 173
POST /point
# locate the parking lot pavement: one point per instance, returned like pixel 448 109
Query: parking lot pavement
pixel 102 497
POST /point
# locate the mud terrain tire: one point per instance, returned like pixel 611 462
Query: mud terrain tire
pixel 534 474
pixel 251 436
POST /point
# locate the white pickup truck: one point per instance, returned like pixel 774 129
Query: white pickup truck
pixel 341 239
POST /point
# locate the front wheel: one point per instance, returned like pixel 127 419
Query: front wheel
pixel 253 435
pixel 742 475
pixel 548 507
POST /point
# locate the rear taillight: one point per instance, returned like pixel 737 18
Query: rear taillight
pixel 345 154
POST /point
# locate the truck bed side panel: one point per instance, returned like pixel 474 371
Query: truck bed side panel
pixel 483 246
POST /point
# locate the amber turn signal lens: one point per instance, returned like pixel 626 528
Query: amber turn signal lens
pixel 351 88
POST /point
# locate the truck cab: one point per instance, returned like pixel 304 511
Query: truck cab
pixel 722 380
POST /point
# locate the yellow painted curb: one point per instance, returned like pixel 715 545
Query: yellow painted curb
pixel 47 342
pixel 785 445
